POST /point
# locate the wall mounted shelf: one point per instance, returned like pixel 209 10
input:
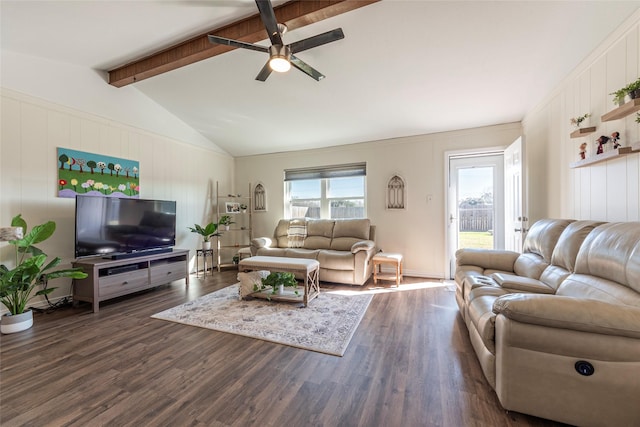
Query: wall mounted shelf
pixel 622 111
pixel 582 132
pixel 618 152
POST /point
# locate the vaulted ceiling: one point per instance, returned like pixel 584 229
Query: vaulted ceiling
pixel 404 67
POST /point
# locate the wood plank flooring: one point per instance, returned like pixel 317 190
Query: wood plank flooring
pixel 410 363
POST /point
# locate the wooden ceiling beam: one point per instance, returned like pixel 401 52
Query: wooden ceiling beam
pixel 295 14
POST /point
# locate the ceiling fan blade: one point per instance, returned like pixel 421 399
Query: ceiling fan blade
pixel 319 40
pixel 264 73
pixel 237 43
pixel 306 68
pixel 268 17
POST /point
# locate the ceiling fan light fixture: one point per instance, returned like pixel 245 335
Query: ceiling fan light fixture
pixel 280 58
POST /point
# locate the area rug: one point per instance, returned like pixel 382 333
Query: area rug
pixel 326 325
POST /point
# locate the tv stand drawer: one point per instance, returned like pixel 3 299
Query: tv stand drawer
pixel 165 273
pixel 122 284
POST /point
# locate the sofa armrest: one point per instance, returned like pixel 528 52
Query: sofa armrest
pixel 363 245
pixel 260 242
pixel 579 314
pixel 488 259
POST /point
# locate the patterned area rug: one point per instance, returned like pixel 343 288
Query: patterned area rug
pixel 326 325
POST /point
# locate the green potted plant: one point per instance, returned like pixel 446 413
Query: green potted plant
pixel 225 221
pixel 207 232
pixel 619 95
pixel 243 207
pixel 633 89
pixel 277 281
pixel 31 270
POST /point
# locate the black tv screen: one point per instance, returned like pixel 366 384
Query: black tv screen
pixel 109 226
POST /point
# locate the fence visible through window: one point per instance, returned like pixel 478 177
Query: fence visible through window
pixel 476 219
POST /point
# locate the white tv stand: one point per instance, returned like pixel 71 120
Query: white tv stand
pixel 109 278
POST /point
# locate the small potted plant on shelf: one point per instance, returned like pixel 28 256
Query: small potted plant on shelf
pixel 633 89
pixel 225 221
pixel 243 207
pixel 31 270
pixel 277 281
pixel 618 96
pixel 207 232
pixel 578 120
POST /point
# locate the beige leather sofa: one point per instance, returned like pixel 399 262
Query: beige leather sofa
pixel 343 247
pixel 557 328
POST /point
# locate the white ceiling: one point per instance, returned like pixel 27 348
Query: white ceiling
pixel 404 68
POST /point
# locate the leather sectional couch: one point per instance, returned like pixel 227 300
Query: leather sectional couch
pixel 343 247
pixel 556 329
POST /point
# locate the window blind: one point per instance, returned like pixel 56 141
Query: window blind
pixel 319 172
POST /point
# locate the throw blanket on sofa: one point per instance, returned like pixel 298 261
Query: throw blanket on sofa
pixel 296 233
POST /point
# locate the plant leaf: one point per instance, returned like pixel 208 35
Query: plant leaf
pixel 18 221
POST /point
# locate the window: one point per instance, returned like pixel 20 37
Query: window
pixel 326 192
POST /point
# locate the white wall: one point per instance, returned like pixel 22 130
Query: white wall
pixel 48 104
pixel 87 90
pixel 610 190
pixel 417 232
pixel 32 129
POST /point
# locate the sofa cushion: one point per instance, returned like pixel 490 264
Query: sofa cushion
pixel 271 251
pixel 319 233
pixel 530 265
pixel 336 260
pixel 301 253
pixel 612 251
pixel 543 236
pixel 566 250
pixel 522 284
pixel 346 232
pixel 585 286
pixel 553 276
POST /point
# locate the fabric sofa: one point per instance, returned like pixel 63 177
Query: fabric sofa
pixel 556 329
pixel 343 247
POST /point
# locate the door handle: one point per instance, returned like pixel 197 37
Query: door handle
pixel 451 218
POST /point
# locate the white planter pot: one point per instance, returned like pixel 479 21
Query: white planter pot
pixel 206 246
pixel 226 227
pixel 10 324
pixel 280 289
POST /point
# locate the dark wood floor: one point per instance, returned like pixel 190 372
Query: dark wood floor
pixel 410 363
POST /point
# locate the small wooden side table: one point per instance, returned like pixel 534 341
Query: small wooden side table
pixel 387 258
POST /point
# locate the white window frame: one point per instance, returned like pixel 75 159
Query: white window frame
pixel 324 174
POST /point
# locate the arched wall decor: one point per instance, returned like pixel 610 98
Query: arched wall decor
pixel 259 198
pixel 396 193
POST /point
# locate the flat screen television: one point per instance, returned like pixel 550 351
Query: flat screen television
pixel 119 228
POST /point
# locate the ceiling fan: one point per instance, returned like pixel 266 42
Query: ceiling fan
pixel 281 56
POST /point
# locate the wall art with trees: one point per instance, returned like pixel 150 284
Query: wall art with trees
pixel 96 175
